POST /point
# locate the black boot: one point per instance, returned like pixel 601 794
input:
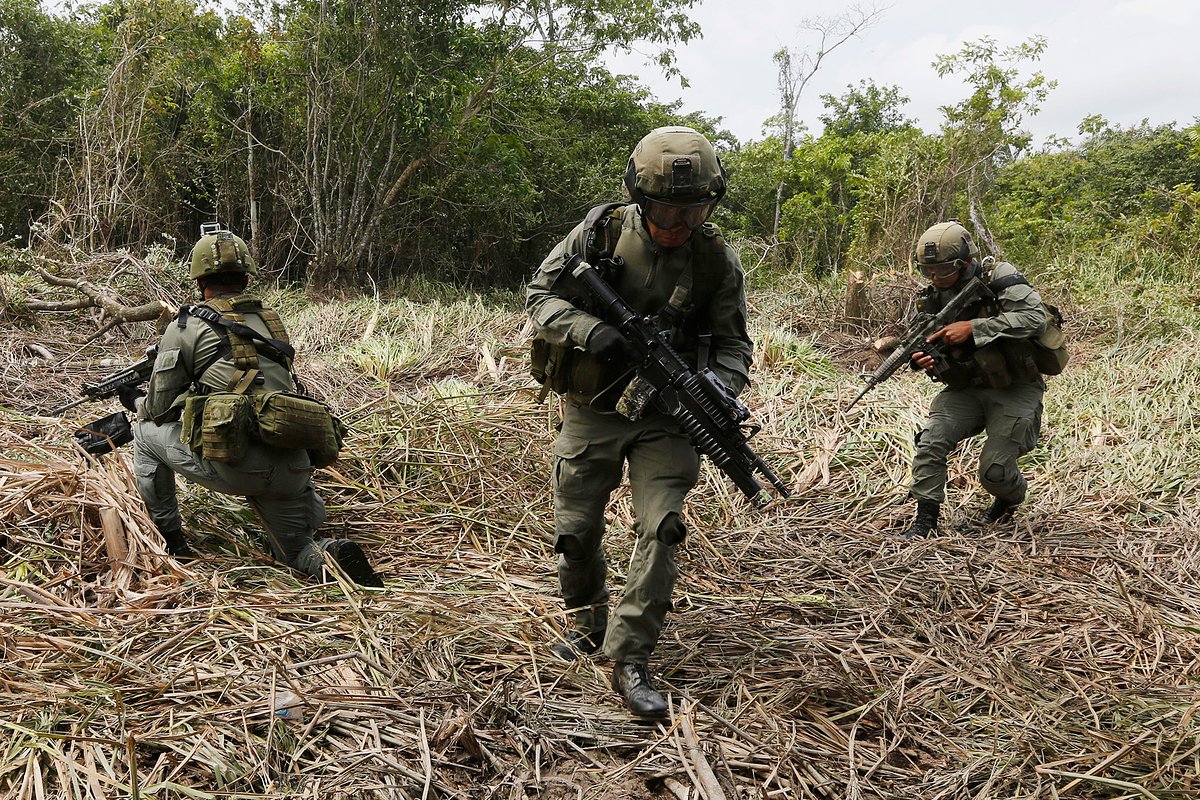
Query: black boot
pixel 632 681
pixel 579 643
pixel 176 545
pixel 353 561
pixel 1000 511
pixel 925 522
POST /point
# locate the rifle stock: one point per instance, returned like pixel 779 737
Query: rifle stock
pixel 916 336
pixel 705 408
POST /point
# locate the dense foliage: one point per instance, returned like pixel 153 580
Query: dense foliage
pixel 379 141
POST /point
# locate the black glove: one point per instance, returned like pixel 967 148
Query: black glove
pixel 128 396
pixel 606 343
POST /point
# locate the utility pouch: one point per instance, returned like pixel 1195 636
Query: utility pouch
pixel 291 421
pixel 993 367
pixel 335 437
pixel 225 426
pixel 550 365
pixel 192 423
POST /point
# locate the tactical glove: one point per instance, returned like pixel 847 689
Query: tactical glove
pixel 128 396
pixel 606 343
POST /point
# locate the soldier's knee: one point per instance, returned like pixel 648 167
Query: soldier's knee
pixel 999 476
pixel 571 546
pixel 671 530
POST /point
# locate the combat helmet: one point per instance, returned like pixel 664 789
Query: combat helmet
pixel 676 167
pixel 221 252
pixel 946 242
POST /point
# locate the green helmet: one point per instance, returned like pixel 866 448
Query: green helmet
pixel 221 252
pixel 676 166
pixel 944 243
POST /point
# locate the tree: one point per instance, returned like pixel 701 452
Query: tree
pixel 866 109
pixel 797 69
pixel 46 64
pixel 983 130
pixel 391 87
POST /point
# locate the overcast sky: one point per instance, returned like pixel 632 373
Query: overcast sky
pixel 1123 59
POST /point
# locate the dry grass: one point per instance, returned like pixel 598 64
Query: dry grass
pixel 811 655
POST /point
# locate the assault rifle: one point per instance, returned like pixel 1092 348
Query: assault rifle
pixel 916 337
pixel 108 387
pixel 708 411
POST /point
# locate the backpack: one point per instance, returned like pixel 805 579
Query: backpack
pixel 1049 348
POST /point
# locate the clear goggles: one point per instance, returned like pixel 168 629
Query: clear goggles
pixel 667 216
pixel 942 270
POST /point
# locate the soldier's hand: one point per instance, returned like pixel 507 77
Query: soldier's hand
pixel 606 343
pixel 128 396
pixel 954 333
pixel 922 361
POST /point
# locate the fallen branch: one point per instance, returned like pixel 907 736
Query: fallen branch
pixel 96 298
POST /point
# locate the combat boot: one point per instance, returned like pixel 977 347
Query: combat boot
pixel 177 545
pixel 1000 511
pixel 353 561
pixel 632 682
pixel 579 643
pixel 925 522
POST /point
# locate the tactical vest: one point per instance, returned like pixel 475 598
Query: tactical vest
pixel 227 318
pixel 585 378
pixel 239 396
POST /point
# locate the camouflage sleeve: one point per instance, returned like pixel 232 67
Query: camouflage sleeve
pixel 733 350
pixel 548 298
pixel 1021 316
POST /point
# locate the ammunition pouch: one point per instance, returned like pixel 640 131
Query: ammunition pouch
pixel 225 425
pixel 569 371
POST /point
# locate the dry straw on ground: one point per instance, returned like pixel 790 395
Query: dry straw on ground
pixel 811 654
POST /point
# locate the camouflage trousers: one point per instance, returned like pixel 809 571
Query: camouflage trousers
pixel 277 483
pixel 589 458
pixel 1012 419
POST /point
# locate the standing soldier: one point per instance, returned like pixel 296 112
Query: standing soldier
pixel 229 344
pixel 664 258
pixel 993 384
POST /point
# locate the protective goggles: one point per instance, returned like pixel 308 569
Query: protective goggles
pixel 666 216
pixel 943 270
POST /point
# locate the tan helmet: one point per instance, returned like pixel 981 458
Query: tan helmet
pixel 221 252
pixel 676 166
pixel 945 242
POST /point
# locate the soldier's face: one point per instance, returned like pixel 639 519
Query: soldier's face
pixel 668 237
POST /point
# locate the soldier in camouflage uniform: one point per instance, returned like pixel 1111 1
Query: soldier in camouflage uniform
pixel 992 383
pixel 195 357
pixel 665 250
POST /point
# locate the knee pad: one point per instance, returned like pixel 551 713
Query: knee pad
pixel 570 547
pixel 995 473
pixel 671 530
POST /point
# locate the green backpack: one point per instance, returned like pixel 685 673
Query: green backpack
pixel 1050 353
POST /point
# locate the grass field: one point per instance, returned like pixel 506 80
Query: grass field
pixel 811 655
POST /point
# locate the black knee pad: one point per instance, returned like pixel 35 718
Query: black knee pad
pixel 569 546
pixel 671 530
pixel 995 474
